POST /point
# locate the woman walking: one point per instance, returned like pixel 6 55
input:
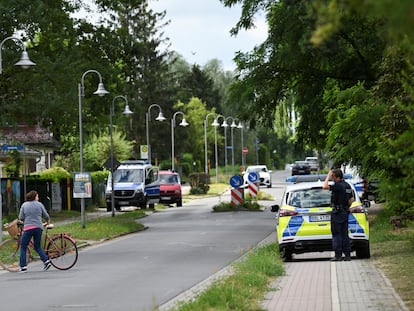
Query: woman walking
pixel 31 214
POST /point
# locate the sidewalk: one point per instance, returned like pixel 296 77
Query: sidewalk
pixel 313 283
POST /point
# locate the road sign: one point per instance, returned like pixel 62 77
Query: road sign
pixel 253 177
pixel 236 181
pixel 11 147
pixel 245 150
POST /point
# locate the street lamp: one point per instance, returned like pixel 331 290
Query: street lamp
pixel 240 126
pixel 216 124
pixel 205 142
pixel 147 117
pixel 127 111
pixel 183 123
pixel 225 125
pixel 232 126
pixel 24 61
pixel 81 93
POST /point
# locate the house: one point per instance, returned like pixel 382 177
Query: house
pixel 35 145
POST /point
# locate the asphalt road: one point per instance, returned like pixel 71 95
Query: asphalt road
pixel 181 248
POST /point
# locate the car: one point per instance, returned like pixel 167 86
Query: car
pixel 170 188
pixel 303 220
pixel 301 168
pixel 265 177
pixel 135 184
pixel 313 162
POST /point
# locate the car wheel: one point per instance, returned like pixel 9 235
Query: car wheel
pixel 363 252
pixel 179 203
pixel 108 208
pixel 286 255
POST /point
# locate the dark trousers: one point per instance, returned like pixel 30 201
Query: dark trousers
pixel 36 234
pixel 340 238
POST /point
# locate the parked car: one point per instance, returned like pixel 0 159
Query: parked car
pixel 135 184
pixel 170 188
pixel 313 162
pixel 303 220
pixel 301 168
pixel 265 177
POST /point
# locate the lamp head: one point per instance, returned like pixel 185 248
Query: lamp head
pixel 160 117
pixel 215 123
pixel 184 123
pixel 224 124
pixel 101 90
pixel 127 111
pixel 25 61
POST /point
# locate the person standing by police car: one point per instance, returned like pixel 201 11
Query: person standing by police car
pixel 341 199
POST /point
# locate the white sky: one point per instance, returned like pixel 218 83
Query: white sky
pixel 200 30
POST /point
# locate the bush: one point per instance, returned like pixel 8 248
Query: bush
pixel 200 182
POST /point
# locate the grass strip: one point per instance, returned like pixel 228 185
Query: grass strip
pixel 245 288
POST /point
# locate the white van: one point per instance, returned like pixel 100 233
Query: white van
pixel 313 162
pixel 135 184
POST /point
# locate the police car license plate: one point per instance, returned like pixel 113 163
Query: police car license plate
pixel 165 198
pixel 320 218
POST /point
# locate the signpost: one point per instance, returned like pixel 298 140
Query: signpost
pixel 253 179
pixel 237 193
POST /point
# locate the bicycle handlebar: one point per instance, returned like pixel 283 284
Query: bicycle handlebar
pixel 48 226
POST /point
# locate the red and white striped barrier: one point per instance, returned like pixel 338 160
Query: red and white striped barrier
pixel 236 196
pixel 253 189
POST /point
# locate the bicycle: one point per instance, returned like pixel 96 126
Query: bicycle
pixel 60 248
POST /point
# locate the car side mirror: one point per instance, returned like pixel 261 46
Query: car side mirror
pixel 275 208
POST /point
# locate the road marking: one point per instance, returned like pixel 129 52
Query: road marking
pixel 334 288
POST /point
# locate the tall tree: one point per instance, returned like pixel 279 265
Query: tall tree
pixel 132 44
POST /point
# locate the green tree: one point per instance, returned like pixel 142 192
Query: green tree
pixel 348 66
pixel 133 44
pixel 97 149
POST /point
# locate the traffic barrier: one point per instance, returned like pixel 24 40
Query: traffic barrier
pixel 253 189
pixel 236 196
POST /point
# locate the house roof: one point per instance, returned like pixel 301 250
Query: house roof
pixel 29 135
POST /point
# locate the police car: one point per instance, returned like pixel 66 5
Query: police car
pixel 303 219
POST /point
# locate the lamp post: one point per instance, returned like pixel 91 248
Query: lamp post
pixel 240 126
pixel 232 126
pixel 205 142
pixel 81 93
pixel 127 111
pixel 183 123
pixel 225 125
pixel 147 118
pixel 24 61
pixel 216 124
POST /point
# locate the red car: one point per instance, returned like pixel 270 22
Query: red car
pixel 170 188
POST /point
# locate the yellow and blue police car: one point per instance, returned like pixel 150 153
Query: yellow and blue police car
pixel 304 220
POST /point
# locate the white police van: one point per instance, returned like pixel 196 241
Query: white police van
pixel 135 184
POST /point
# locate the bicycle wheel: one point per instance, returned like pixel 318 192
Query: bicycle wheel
pixel 62 252
pixel 10 255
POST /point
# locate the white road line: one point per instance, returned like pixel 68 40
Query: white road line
pixel 334 288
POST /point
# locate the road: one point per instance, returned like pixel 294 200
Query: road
pixel 181 248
